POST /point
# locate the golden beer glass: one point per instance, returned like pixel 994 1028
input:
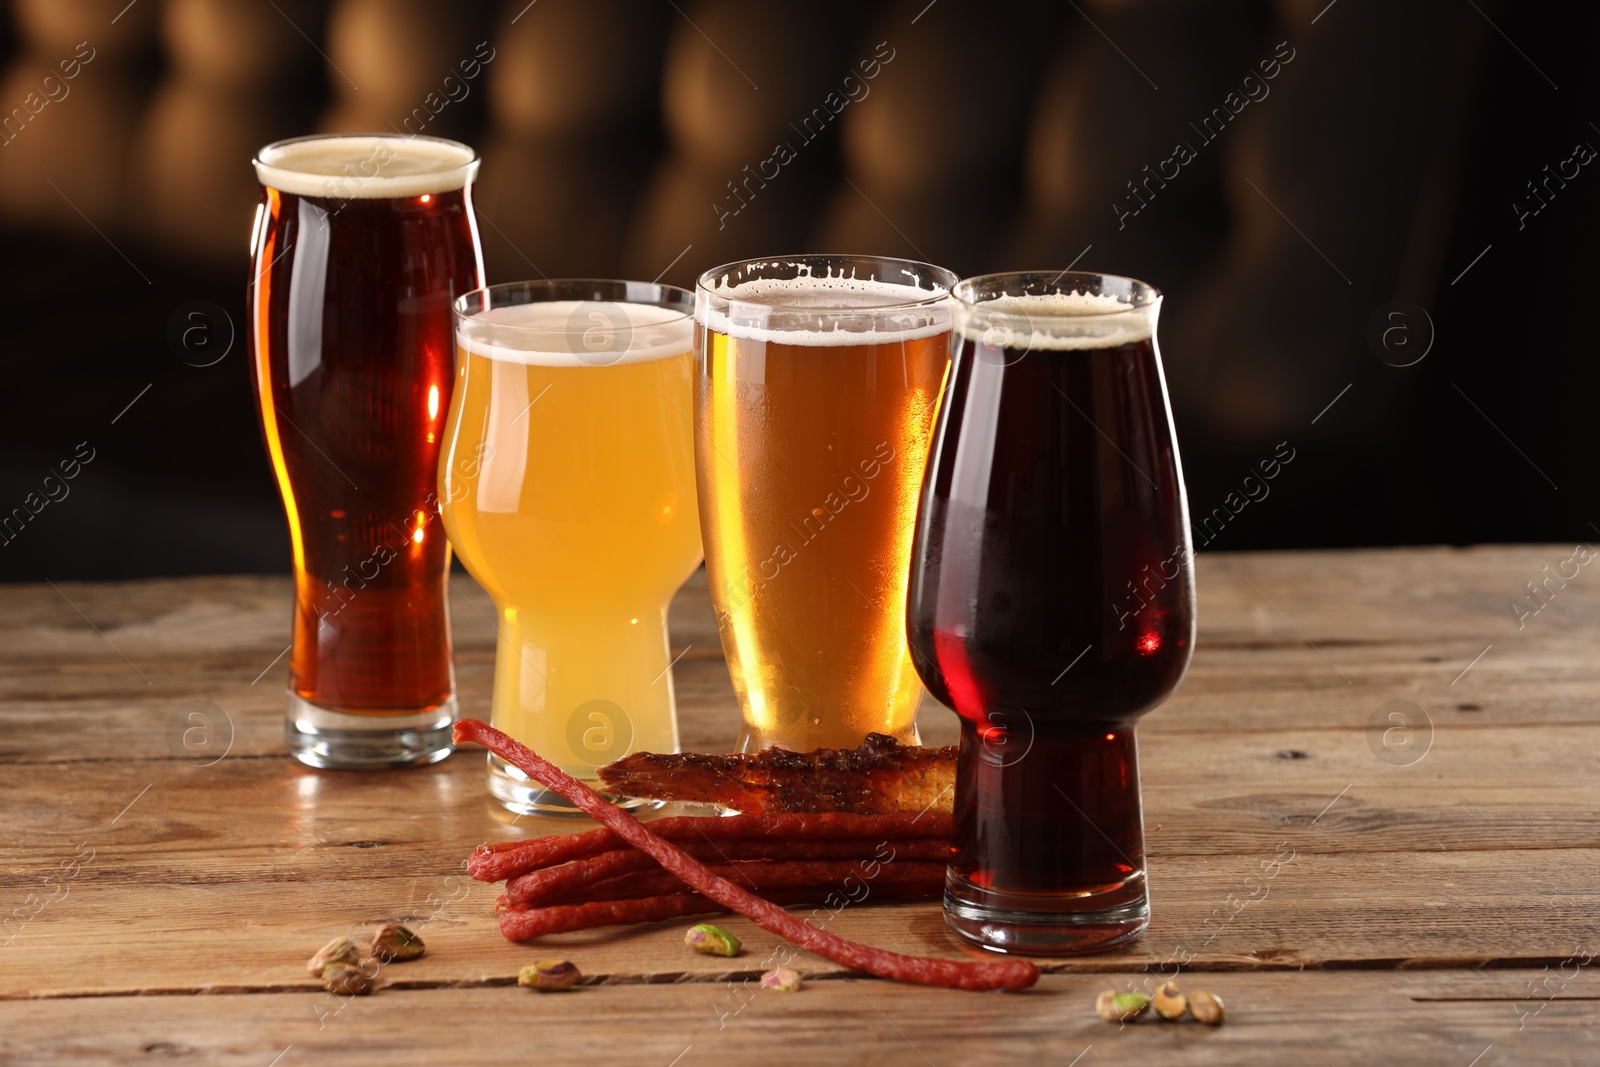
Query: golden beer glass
pixel 567 489
pixel 816 384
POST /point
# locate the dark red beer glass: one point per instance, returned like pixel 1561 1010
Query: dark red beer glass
pixel 1051 601
pixel 361 244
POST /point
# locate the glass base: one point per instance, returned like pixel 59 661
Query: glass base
pixel 518 793
pixel 340 740
pixel 1082 930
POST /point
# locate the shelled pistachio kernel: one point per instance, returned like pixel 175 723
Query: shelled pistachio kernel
pixel 711 940
pixel 1120 1007
pixel 393 943
pixel 347 979
pixel 1207 1008
pixel 549 976
pixel 1168 1002
pixel 340 950
pixel 782 979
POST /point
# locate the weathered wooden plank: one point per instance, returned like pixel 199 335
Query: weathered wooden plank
pixel 87 715
pixel 224 877
pixel 1209 794
pixel 1266 691
pixel 264 862
pixel 167 642
pixel 66 694
pixel 1406 595
pixel 225 619
pixel 1486 1020
pixel 1384 594
pixel 1330 598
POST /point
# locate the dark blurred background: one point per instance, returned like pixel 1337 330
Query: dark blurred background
pixel 1375 239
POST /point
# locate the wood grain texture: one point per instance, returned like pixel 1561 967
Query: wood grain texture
pixel 1317 640
pixel 1423 897
pixel 1445 1018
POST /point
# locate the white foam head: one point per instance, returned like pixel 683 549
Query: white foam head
pixel 1059 321
pixel 825 309
pixel 576 333
pixel 365 166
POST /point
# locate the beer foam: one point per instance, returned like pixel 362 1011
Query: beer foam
pixel 1055 321
pixel 576 333
pixel 826 311
pixel 365 166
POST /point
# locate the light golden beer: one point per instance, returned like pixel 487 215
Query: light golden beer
pixel 815 396
pixel 568 491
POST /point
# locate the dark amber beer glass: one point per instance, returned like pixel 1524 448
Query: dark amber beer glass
pixel 1052 601
pixel 816 383
pixel 361 244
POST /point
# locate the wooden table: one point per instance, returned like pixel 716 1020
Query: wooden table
pixel 1435 898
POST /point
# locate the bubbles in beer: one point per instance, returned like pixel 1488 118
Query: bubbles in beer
pixel 826 309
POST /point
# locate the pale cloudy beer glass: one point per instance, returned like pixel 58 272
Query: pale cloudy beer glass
pixel 817 379
pixel 567 487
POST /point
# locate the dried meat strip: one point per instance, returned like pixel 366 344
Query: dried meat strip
pixel 879 777
pixel 989 974
pixel 507 859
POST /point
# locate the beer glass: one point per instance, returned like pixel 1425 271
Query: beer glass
pixel 567 486
pixel 360 245
pixel 1052 601
pixel 815 388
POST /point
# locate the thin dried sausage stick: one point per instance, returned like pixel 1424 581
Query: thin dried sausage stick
pixel 507 859
pixel 846 876
pixel 920 970
pixel 527 924
pixel 530 923
pixel 550 884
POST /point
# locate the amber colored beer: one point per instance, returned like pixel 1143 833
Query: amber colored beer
pixel 816 389
pixel 361 245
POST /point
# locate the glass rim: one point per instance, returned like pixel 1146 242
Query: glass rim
pixel 934 271
pixel 466 168
pixel 676 294
pixel 1144 294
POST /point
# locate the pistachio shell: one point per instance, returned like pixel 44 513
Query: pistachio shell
pixel 711 940
pixel 1120 1007
pixel 1207 1008
pixel 1168 1002
pixel 340 950
pixel 549 976
pixel 393 943
pixel 782 979
pixel 346 979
